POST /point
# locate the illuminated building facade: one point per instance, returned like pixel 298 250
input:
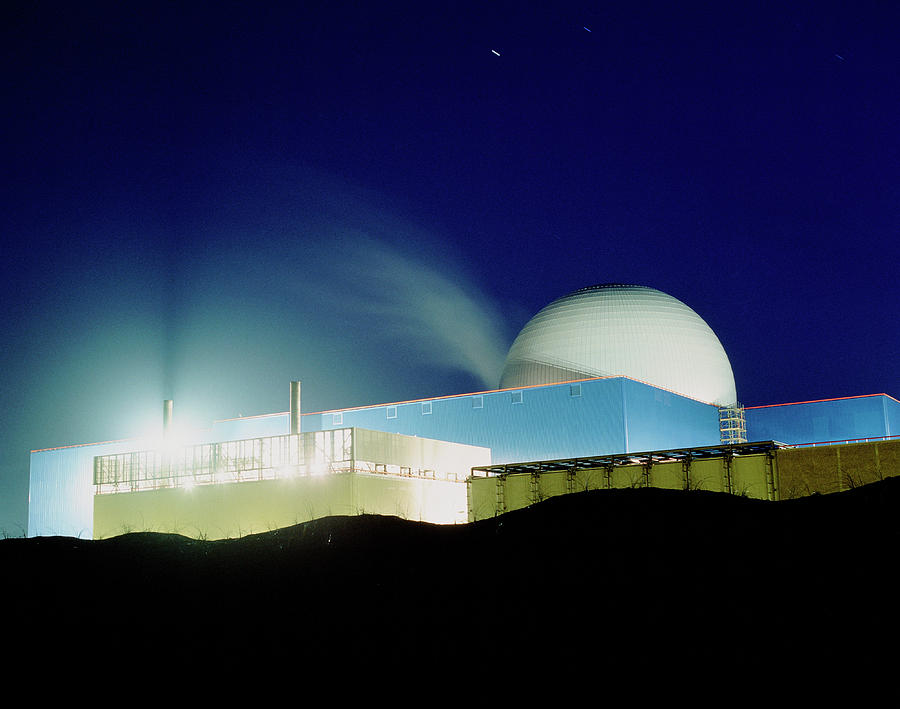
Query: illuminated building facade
pixel 600 372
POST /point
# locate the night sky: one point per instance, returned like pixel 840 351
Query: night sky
pixel 205 201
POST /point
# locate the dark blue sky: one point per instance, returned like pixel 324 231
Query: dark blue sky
pixel 205 201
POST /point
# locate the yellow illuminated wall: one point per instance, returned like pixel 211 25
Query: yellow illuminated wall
pixel 225 510
pixel 406 476
pixel 803 471
pixel 237 509
pixel 787 473
pixel 746 475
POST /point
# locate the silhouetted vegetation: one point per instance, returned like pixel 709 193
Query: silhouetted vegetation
pixel 618 574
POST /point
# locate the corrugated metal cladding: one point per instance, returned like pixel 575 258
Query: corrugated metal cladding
pixel 552 421
pixel 592 417
pixel 659 419
pixel 822 421
pixel 61 488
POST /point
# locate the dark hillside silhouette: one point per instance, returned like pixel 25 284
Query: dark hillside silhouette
pixel 628 576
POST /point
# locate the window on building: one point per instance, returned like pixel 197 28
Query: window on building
pixel 574 389
pixel 516 397
pixel 392 412
pixel 477 402
pixel 426 408
pixel 337 419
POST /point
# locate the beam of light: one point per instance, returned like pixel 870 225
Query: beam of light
pixel 496 52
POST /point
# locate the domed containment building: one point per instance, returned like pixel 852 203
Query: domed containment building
pixel 622 330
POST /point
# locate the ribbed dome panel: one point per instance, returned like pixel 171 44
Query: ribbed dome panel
pixel 622 330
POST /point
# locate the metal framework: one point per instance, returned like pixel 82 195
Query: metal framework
pixel 227 461
pixel 732 424
pixel 266 458
pixel 608 462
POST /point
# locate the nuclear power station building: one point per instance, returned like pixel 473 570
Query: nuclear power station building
pixel 610 386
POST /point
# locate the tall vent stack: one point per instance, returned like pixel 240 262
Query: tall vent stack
pixel 167 417
pixel 295 407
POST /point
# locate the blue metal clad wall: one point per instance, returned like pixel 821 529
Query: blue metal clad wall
pixel 550 422
pixel 61 489
pixel 658 419
pixel 545 422
pixel 820 421
pixel 891 416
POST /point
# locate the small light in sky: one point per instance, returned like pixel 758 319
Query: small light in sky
pixel 496 52
pixel 588 29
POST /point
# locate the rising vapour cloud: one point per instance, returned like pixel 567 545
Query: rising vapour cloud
pixel 390 282
pixel 424 303
pixel 361 304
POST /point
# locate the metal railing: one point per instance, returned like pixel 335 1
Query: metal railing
pixel 844 441
pixel 228 461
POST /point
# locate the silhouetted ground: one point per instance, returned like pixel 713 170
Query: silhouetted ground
pixel 589 585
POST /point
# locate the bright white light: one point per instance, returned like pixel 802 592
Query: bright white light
pixel 178 437
pixel 318 468
pixel 286 471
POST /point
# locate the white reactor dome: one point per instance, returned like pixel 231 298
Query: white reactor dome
pixel 622 330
